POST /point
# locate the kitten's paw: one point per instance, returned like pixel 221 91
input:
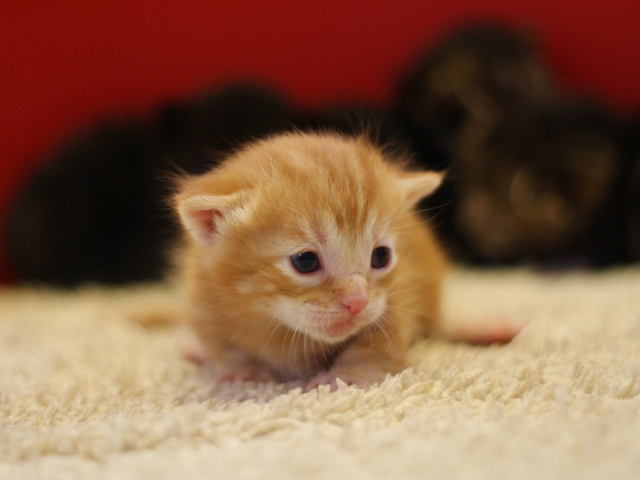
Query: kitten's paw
pixel 192 351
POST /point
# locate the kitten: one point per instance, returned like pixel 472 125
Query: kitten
pixel 304 260
pixel 473 74
pixel 545 184
pixel 475 77
pixel 534 174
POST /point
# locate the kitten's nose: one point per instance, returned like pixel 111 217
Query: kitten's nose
pixel 355 302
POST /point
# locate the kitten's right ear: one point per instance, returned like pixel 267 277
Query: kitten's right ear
pixel 417 185
pixel 203 215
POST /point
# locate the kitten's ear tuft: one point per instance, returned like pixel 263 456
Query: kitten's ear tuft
pixel 417 185
pixel 203 215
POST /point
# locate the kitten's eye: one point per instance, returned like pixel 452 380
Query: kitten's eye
pixel 307 262
pixel 380 257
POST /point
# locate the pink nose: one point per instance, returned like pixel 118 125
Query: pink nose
pixel 354 303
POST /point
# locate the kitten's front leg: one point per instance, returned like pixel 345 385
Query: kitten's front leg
pixel 235 365
pixel 230 366
pixel 244 373
pixel 367 360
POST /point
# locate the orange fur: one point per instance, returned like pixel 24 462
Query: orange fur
pixel 257 316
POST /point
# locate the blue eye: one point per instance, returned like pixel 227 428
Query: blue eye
pixel 380 257
pixel 306 262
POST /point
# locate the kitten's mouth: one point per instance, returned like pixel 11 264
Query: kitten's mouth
pixel 340 329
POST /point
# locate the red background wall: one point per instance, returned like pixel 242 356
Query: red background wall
pixel 66 63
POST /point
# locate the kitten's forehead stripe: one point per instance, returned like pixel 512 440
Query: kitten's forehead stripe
pixel 320 236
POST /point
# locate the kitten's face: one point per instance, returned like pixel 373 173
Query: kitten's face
pixel 309 240
pixel 321 275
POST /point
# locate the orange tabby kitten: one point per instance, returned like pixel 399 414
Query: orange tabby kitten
pixel 304 259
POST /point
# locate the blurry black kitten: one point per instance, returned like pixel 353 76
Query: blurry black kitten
pixel 477 74
pixel 95 210
pixel 534 176
pixel 472 75
pixel 545 184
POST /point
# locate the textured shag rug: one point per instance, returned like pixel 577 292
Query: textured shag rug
pixel 85 393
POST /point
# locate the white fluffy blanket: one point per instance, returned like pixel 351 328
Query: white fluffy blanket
pixel 84 393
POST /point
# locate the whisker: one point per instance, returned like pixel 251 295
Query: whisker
pixel 307 358
pixel 273 331
pixel 413 287
pixel 421 211
pixel 285 343
pixel 430 226
pixel 272 321
pixel 411 310
pixel 386 320
pixel 413 319
pixel 298 336
pixel 293 346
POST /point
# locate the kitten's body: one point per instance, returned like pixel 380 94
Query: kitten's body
pixel 354 317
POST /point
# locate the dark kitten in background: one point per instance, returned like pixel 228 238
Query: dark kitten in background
pixel 534 176
pixel 95 210
pixel 546 184
pixel 475 74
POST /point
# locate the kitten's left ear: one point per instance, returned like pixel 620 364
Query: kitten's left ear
pixel 417 185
